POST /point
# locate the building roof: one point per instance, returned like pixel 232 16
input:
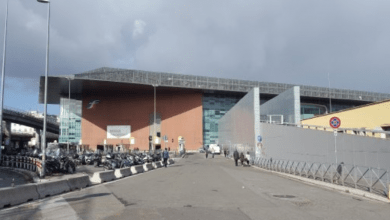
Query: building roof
pixel 58 85
pixel 349 109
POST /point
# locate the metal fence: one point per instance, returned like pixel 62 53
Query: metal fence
pixel 370 179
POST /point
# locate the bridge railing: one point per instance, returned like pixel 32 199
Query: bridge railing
pixel 369 179
pixel 16 111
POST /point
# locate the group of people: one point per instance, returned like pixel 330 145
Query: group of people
pixel 236 156
pixel 240 156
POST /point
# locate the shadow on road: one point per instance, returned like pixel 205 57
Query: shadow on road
pixel 86 196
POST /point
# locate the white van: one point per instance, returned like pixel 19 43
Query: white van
pixel 217 149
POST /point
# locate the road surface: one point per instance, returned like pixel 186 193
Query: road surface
pixel 196 188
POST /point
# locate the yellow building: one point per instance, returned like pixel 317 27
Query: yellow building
pixel 373 117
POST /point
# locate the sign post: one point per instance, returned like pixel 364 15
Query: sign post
pixel 335 123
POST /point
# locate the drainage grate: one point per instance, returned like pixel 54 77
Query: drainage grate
pixel 284 196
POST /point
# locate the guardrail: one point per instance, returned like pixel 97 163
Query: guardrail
pixel 364 178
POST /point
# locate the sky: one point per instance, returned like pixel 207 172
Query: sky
pixel 285 41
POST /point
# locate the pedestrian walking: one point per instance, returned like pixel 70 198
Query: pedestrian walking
pixel 212 152
pixel 207 153
pixel 165 156
pixel 224 152
pixel 235 156
pixel 242 158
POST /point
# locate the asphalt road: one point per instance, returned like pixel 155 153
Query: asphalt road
pixel 196 188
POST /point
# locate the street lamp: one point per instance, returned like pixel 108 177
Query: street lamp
pixel 69 79
pixel 45 99
pixel 2 80
pixel 154 120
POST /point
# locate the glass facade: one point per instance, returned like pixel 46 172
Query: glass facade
pixel 70 121
pixel 214 107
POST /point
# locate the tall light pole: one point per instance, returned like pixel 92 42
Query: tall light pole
pixel 154 120
pixel 69 79
pixel 43 142
pixel 2 79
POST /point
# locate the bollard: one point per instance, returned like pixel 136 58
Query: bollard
pixel 13 162
pixel 17 161
pixel 24 162
pixel 33 164
pixel 30 164
pixel 13 182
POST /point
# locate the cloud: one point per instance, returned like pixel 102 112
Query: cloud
pixel 139 26
pixel 286 41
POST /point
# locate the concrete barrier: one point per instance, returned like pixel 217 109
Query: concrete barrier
pixel 102 176
pixel 148 167
pixel 52 188
pixel 137 169
pixel 157 164
pixel 119 173
pixel 18 195
pixel 79 182
pixel 170 161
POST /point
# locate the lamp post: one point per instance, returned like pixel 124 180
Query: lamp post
pixel 154 120
pixel 69 79
pixel 45 97
pixel 2 79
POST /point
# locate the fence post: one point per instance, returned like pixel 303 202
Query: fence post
pixel 355 180
pixel 370 170
pixel 341 174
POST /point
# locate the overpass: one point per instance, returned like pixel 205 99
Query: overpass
pixel 28 119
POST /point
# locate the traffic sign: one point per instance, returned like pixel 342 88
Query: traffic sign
pixel 335 122
pixel 259 138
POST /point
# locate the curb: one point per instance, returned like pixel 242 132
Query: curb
pixel 352 191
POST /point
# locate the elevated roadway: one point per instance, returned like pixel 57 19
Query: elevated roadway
pixel 24 118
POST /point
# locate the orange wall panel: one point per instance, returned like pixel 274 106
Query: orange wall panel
pixel 181 116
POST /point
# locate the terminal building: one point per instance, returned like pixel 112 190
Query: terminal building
pixel 121 106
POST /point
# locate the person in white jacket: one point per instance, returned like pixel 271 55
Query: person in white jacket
pixel 212 151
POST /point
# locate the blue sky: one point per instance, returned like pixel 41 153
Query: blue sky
pixel 20 94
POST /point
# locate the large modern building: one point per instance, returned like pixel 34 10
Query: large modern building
pixel 116 106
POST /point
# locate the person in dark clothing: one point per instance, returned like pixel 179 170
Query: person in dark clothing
pixel 165 156
pixel 235 156
pixel 242 158
pixel 224 152
pixel 207 153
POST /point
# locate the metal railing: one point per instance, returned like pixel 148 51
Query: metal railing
pixel 364 178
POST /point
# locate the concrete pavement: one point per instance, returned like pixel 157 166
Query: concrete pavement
pixel 196 188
